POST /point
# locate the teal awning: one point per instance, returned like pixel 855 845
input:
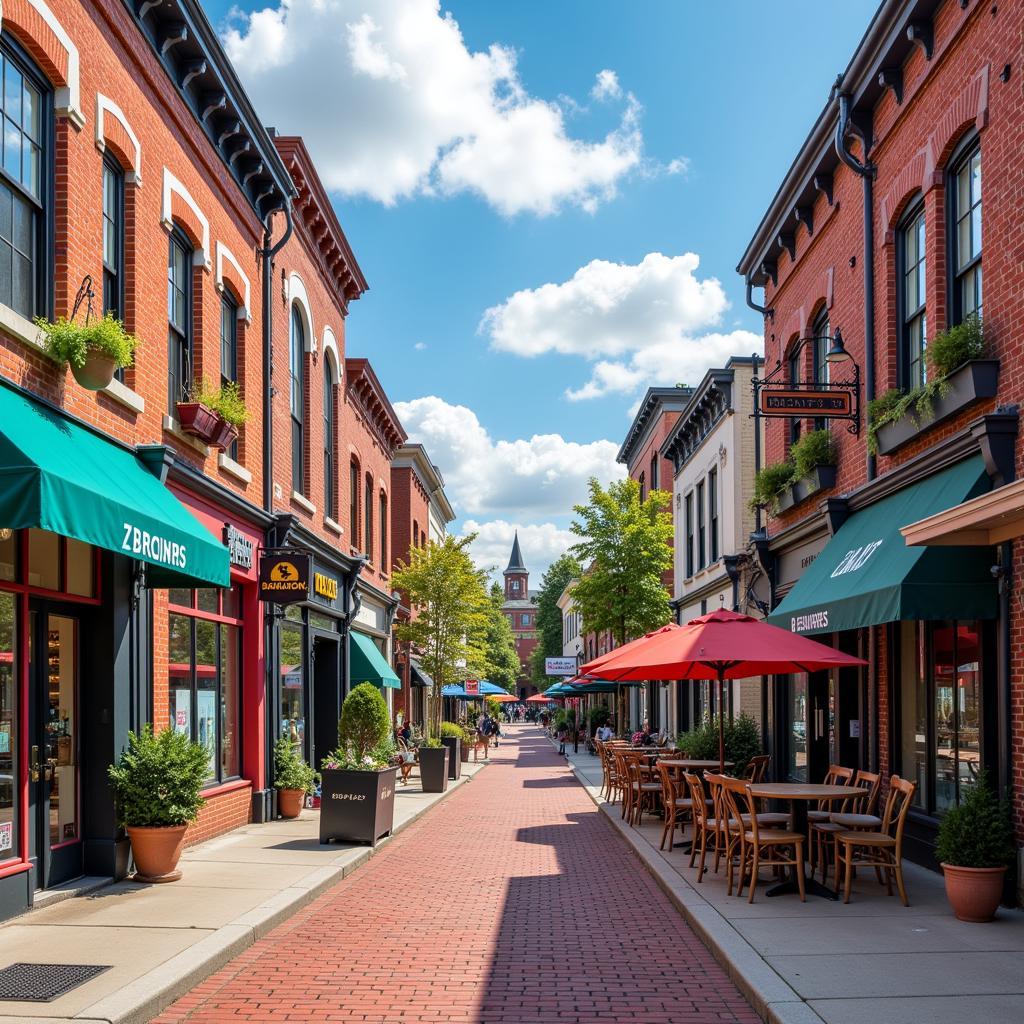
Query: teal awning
pixel 368 665
pixel 867 575
pixel 58 475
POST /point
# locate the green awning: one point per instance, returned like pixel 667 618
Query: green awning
pixel 867 575
pixel 58 475
pixel 368 665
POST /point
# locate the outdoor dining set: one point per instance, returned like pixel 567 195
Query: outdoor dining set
pixel 833 824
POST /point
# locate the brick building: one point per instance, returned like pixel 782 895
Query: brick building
pixel 520 609
pixel 883 230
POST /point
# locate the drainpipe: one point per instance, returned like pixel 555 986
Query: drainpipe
pixel 765 311
pixel 757 428
pixel 866 172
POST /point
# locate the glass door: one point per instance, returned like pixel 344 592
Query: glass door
pixel 54 819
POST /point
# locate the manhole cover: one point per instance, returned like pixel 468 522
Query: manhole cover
pixel 41 983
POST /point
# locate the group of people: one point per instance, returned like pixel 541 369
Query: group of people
pixel 488 726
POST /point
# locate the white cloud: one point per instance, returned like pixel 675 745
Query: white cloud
pixel 606 86
pixel 644 324
pixel 420 346
pixel 392 103
pixel 544 475
pixel 541 544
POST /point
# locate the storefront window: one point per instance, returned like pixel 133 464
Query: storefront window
pixel 8 554
pixel 54 563
pixel 44 559
pixel 323 621
pixel 80 568
pixel 8 725
pixel 293 694
pixel 204 654
pixel 798 728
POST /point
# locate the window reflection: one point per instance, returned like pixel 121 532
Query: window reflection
pixel 798 733
pixel 8 726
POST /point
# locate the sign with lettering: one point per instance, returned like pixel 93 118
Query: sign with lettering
pixel 325 586
pixel 284 577
pixel 240 548
pixel 472 687
pixel 799 402
pixel 559 666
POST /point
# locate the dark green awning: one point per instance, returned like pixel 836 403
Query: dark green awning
pixel 368 665
pixel 867 575
pixel 418 677
pixel 57 475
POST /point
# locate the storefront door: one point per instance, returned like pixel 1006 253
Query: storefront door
pixel 811 742
pixel 55 657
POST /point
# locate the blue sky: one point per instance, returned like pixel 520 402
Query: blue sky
pixel 469 165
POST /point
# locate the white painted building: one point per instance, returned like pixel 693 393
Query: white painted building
pixel 572 623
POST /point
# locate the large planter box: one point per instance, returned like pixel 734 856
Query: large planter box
pixel 357 807
pixel 822 479
pixel 434 769
pixel 454 744
pixel 198 420
pixel 973 382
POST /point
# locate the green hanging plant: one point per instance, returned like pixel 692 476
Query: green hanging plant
pixel 66 341
pixel 816 448
pixel 226 401
pixel 770 483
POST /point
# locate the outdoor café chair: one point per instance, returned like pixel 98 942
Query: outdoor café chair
pixel 678 802
pixel 643 790
pixel 857 813
pixel 836 775
pixel 882 850
pixel 705 825
pixel 757 768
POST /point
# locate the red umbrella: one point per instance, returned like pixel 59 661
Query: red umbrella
pixel 539 698
pixel 721 645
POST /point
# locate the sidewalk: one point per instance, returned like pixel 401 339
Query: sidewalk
pixel 162 940
pixel 872 961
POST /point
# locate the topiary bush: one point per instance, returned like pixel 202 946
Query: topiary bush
pixel 364 729
pixel 158 779
pixel 290 770
pixel 978 833
pixel 449 730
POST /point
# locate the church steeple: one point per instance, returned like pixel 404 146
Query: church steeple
pixel 515 562
pixel 517 577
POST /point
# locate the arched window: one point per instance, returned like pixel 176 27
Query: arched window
pixel 179 319
pixel 913 315
pixel 353 503
pixel 965 233
pixel 368 517
pixel 297 355
pixel 229 348
pixel 384 567
pixel 113 237
pixel 330 458
pixel 26 200
pixel 822 341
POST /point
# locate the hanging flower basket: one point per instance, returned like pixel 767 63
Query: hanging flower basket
pixel 97 371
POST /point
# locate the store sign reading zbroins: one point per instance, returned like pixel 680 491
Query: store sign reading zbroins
pixel 284 577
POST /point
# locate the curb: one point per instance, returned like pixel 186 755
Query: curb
pixel 142 999
pixel 771 998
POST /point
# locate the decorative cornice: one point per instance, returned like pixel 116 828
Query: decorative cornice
pixel 364 389
pixel 711 401
pixel 656 400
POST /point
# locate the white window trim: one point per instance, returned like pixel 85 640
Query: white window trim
pixel 232 468
pixel 304 503
pixel 105 105
pixel 224 254
pixel 297 296
pixel 201 257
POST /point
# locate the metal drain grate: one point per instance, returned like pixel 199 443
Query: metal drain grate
pixel 42 983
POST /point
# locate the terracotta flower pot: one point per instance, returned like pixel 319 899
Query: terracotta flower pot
pixel 156 852
pixel 289 802
pixel 225 435
pixel 198 419
pixel 974 893
pixel 96 372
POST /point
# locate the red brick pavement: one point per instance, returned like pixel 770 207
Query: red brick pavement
pixel 512 901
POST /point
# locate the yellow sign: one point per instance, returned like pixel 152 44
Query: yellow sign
pixel 325 586
pixel 284 579
pixel 284 572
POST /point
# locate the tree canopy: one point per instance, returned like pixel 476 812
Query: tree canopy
pixel 549 615
pixel 501 662
pixel 625 544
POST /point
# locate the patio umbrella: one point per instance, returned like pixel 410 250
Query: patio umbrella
pixel 538 698
pixel 504 698
pixel 721 645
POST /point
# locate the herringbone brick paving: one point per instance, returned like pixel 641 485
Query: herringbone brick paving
pixel 512 901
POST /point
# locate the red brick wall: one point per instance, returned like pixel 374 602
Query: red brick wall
pixel 220 814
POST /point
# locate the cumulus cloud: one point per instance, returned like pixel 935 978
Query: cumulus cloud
pixel 541 544
pixel 650 323
pixel 544 475
pixel 420 346
pixel 392 104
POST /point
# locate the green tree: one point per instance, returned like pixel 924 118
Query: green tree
pixel 549 615
pixel 501 660
pixel 626 545
pixel 449 594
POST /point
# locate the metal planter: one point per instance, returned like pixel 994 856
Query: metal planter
pixel 434 769
pixel 454 744
pixel 357 807
pixel 822 479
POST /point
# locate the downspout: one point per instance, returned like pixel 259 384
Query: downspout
pixel 866 172
pixel 757 427
pixel 765 311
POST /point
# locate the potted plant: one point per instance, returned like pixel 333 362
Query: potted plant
pixel 466 743
pixel 213 414
pixel 357 792
pixel 231 414
pixel 157 783
pixel 95 350
pixel 451 737
pixel 975 847
pixel 293 778
pixel 434 766
pixel 770 483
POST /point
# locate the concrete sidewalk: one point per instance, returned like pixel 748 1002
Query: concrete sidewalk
pixel 162 940
pixel 872 961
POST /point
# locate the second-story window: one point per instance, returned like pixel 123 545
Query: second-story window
pixel 794 378
pixel 822 341
pixel 966 235
pixel 297 399
pixel 330 479
pixel 701 528
pixel 113 238
pixel 654 471
pixel 229 349
pixel 643 487
pixel 689 534
pixel 353 503
pixel 368 517
pixel 713 513
pixel 912 307
pixel 384 567
pixel 179 319
pixel 25 195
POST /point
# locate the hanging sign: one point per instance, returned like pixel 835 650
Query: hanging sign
pixel 240 547
pixel 472 687
pixel 284 577
pixel 559 666
pixel 801 402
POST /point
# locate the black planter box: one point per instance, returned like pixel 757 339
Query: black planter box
pixel 357 807
pixel 822 479
pixel 974 381
pixel 434 768
pixel 454 744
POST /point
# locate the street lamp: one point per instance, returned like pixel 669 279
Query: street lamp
pixel 837 352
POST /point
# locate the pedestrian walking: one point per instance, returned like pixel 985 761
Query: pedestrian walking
pixel 562 734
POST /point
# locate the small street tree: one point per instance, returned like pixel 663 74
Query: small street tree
pixel 625 546
pixel 501 660
pixel 450 594
pixel 549 615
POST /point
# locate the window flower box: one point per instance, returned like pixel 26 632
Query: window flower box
pixel 199 420
pixel 976 380
pixel 225 435
pixel 822 478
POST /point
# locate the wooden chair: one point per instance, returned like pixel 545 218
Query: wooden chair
pixel 760 847
pixel 857 813
pixel 757 768
pixel 705 826
pixel 882 850
pixel 602 756
pixel 678 803
pixel 643 790
pixel 620 779
pixel 729 829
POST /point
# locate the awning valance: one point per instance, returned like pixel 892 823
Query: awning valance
pixel 988 519
pixel 58 475
pixel 867 575
pixel 368 665
pixel 418 677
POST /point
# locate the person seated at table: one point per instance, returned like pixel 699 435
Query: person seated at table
pixel 605 733
pixel 646 736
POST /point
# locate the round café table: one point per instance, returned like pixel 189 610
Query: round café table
pixel 799 795
pixel 688 764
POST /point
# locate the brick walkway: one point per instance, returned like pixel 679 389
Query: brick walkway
pixel 512 901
